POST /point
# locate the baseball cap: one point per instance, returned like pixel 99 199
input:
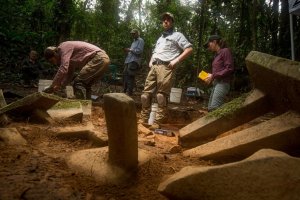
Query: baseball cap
pixel 134 31
pixel 167 14
pixel 211 38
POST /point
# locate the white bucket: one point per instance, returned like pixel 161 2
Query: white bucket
pixel 153 113
pixel 175 95
pixel 43 84
pixel 69 91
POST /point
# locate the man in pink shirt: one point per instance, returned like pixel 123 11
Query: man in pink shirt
pixel 90 60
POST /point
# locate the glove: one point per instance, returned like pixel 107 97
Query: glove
pixel 173 63
pixel 48 90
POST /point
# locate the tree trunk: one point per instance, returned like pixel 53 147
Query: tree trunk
pixel 201 12
pixel 63 19
pixel 244 29
pixel 140 13
pixel 254 25
pixel 274 27
pixel 284 30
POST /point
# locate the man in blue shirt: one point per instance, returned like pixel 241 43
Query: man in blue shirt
pixel 170 49
pixel 132 61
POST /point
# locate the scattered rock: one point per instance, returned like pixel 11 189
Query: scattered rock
pixel 150 143
pixel 175 149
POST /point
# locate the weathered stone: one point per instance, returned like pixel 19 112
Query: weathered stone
pixel 120 115
pixel 281 133
pixel 267 175
pixel 120 160
pixel 277 77
pixel 209 127
pixel 24 107
pixel 11 136
pixel 68 110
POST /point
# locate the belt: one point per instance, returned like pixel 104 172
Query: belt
pixel 160 62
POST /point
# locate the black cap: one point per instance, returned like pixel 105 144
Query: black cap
pixel 167 14
pixel 211 38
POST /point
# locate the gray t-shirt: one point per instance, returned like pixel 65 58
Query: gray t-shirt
pixel 169 47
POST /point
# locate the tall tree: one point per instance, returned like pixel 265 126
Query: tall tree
pixel 254 24
pixel 284 31
pixel 63 19
pixel 274 26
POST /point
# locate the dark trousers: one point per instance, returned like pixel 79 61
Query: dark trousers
pixel 129 77
pixel 29 74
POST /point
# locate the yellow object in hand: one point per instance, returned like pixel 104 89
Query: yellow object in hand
pixel 203 75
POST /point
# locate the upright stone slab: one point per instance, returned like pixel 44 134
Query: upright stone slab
pixel 120 114
pixel 281 133
pixel 277 77
pixel 117 163
pixel 267 175
pixel 212 125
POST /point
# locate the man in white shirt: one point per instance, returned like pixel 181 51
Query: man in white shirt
pixel 170 49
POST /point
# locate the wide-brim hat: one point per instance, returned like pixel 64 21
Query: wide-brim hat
pixel 210 39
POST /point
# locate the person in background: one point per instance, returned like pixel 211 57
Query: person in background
pixel 132 61
pixel 30 70
pixel 90 60
pixel 222 71
pixel 171 48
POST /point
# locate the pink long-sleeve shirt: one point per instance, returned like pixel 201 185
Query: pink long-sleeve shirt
pixel 73 55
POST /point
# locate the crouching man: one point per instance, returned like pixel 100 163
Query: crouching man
pixel 91 61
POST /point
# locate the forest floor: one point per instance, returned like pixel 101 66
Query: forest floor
pixel 38 170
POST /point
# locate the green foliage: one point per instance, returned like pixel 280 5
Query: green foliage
pixel 229 108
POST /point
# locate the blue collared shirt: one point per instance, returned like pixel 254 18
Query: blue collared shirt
pixel 170 46
pixel 135 54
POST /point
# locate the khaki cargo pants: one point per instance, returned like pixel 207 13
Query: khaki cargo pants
pixel 159 81
pixel 90 73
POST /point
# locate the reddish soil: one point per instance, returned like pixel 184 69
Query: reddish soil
pixel 38 170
